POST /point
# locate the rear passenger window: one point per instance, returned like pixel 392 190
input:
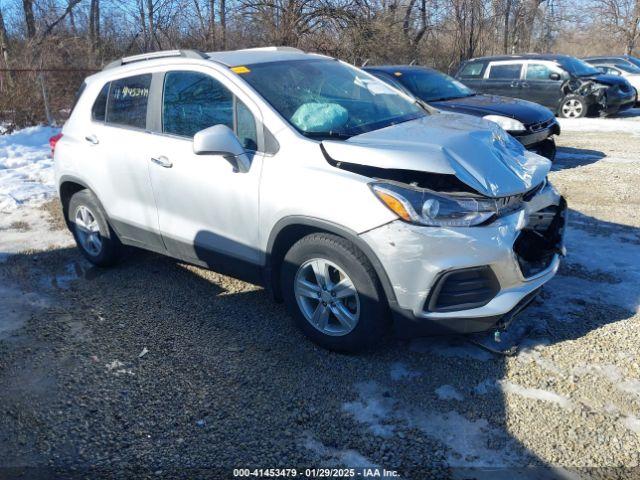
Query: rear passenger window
pixel 99 109
pixel 127 104
pixel 471 70
pixel 194 101
pixel 509 71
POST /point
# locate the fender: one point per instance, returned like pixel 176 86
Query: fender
pixel 322 225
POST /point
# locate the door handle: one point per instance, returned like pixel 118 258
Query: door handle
pixel 514 84
pixel 162 161
pixel 92 139
pixel 524 85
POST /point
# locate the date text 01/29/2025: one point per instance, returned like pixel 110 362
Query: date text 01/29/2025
pixel 315 472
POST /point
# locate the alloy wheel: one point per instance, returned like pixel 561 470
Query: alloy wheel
pixel 572 108
pixel 327 297
pixel 88 230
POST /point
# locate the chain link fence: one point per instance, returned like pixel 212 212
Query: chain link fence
pixel 38 96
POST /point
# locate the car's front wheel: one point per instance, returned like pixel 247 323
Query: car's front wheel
pixel 573 106
pixel 333 292
pixel 95 238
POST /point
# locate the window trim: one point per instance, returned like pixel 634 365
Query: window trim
pixel 500 63
pixel 125 126
pixel 552 66
pixel 158 93
pixel 483 70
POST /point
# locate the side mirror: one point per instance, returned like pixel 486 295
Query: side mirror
pixel 554 76
pixel 220 140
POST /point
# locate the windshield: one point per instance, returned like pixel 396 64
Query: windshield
pixel 431 86
pixel 634 60
pixel 326 98
pixel 628 68
pixel 577 67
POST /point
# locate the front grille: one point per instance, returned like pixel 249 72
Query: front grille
pixel 537 245
pixel 463 289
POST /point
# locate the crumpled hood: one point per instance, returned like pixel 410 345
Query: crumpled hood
pixel 606 79
pixel 481 105
pixel 478 152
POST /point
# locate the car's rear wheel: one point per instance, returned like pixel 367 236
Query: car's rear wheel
pixel 333 293
pixel 95 238
pixel 573 106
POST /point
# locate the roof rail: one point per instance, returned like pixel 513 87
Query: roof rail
pixel 152 55
pixel 276 49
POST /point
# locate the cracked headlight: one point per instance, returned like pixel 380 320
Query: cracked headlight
pixel 424 207
pixel 507 123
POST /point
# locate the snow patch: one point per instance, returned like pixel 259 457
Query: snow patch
pixel 629 122
pixel 334 457
pixel 399 371
pixel 447 392
pixel 26 168
pixel 468 441
pixel 16 307
pixel 372 408
pixel 534 393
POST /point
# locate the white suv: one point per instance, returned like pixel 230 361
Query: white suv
pixel 301 173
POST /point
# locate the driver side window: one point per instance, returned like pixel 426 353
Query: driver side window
pixel 193 101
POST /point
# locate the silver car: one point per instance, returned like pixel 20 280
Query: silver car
pixel 344 197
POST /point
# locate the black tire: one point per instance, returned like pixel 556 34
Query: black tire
pixel 111 248
pixel 373 319
pixel 565 110
pixel 547 148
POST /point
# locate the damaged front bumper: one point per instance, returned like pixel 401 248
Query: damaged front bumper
pixel 467 280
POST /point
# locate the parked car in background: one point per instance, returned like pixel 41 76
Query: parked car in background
pixel 531 124
pixel 338 192
pixel 567 85
pixel 615 59
pixel 628 71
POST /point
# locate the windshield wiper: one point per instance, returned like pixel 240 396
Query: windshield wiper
pixel 339 135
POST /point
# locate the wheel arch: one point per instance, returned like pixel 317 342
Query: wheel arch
pixel 289 230
pixel 68 186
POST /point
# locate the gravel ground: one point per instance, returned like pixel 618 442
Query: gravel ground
pixel 166 370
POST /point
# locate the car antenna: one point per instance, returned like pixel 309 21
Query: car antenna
pixel 364 64
pixel 413 62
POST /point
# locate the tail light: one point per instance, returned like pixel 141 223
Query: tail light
pixel 53 141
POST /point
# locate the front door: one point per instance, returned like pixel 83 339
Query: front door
pixel 207 209
pixel 543 84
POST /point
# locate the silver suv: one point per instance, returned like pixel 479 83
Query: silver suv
pixel 299 172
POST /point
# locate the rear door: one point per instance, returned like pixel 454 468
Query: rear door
pixel 207 210
pixel 503 78
pixel 116 160
pixel 542 82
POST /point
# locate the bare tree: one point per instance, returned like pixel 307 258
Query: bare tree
pixel 622 17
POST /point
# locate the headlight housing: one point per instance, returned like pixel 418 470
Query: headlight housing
pixel 507 123
pixel 425 207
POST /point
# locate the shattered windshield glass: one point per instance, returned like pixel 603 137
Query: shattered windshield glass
pixel 326 98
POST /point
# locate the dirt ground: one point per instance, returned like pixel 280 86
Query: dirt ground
pixel 162 369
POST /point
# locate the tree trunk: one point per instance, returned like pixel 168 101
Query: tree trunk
pixel 29 18
pixel 4 48
pixel 212 24
pixel 223 23
pixel 507 15
pixel 150 19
